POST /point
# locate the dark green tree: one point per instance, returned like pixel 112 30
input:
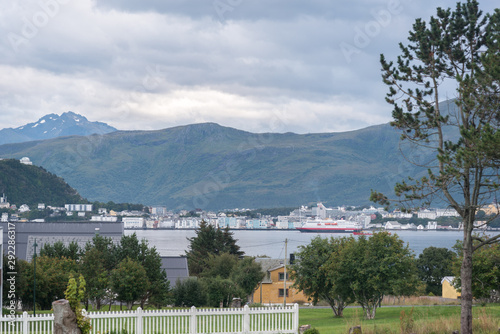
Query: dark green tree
pixel 220 291
pixel 247 274
pixel 485 272
pixel 433 264
pixel 97 261
pixel 59 250
pixel 189 292
pixel 221 265
pixel 372 268
pixel 129 281
pixel 52 274
pixel 93 268
pixel 457 47
pixel 310 273
pixel 158 284
pixel 209 241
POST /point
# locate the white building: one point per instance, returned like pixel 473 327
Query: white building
pixel 448 212
pixel 24 208
pixel 166 224
pixel 5 217
pixel 78 207
pixel 26 161
pixel 133 222
pixel 392 225
pixel 41 206
pixel 159 211
pixel 103 219
pixel 432 225
pixel 3 202
pixel 427 214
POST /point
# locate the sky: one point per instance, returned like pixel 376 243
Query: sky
pixel 303 66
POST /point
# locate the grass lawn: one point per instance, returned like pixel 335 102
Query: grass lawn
pixel 387 319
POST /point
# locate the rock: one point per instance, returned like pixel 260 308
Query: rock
pixel 64 318
pixel 236 302
pixel 303 328
pixel 355 330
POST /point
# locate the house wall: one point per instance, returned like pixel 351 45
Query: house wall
pixel 268 293
pixel 449 291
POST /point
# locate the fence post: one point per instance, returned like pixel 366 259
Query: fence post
pixel 296 318
pixel 138 321
pixel 192 321
pixel 25 322
pixel 246 319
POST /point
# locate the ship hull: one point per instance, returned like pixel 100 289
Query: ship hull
pixel 327 230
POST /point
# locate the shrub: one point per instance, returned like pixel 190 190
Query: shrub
pixel 311 331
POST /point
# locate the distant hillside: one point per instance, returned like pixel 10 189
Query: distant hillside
pixel 209 166
pixel 23 184
pixel 52 126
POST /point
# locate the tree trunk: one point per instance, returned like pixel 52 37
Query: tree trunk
pixel 370 310
pixel 466 279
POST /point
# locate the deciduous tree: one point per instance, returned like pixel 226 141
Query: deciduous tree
pixel 310 273
pixel 129 281
pixel 433 264
pixel 485 272
pixel 372 268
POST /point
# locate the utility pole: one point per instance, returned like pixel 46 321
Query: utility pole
pixel 34 281
pixel 284 276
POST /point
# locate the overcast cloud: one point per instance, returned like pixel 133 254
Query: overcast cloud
pixel 257 65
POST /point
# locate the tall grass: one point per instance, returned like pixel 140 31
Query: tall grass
pixel 422 300
pixel 397 320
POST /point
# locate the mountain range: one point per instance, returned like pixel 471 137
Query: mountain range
pixel 210 166
pixel 52 126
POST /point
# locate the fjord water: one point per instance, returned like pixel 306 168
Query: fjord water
pixel 272 243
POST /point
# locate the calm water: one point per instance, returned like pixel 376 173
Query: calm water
pixel 272 243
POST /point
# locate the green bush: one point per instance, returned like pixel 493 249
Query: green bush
pixel 311 331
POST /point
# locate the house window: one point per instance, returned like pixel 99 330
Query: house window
pixel 280 293
pixel 282 276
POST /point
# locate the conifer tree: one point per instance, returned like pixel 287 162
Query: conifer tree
pixel 457 47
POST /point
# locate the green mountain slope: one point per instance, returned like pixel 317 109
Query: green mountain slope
pixel 213 167
pixel 31 185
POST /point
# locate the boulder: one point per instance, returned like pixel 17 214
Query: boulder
pixel 64 318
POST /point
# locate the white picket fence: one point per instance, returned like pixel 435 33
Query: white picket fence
pixel 192 321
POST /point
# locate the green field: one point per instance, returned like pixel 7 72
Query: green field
pixel 427 319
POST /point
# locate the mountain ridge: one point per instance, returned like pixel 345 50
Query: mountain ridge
pixel 52 126
pixel 210 166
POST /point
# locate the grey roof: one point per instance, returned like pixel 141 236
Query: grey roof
pixel 176 268
pixel 269 265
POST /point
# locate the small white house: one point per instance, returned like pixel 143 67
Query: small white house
pixel 392 225
pixel 24 208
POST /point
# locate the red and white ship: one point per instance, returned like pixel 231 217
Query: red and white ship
pixel 330 226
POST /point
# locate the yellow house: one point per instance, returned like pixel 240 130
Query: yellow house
pixel 272 288
pixel 449 290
